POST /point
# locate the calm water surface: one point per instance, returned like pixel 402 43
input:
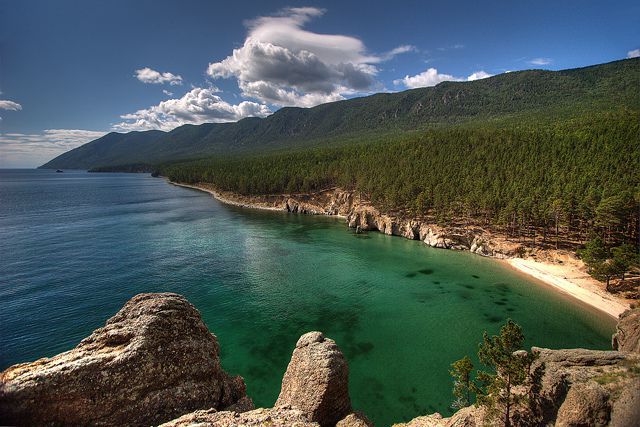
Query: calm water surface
pixel 74 247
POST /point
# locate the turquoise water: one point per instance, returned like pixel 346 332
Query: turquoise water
pixel 74 247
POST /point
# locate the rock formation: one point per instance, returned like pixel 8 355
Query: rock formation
pixel 153 361
pixel 272 417
pixel 360 214
pixel 317 380
pixel 627 336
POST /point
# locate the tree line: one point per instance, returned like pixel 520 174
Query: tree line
pixel 549 181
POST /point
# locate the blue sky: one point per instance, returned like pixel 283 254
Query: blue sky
pixel 73 70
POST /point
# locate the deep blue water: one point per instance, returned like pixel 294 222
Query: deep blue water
pixel 74 247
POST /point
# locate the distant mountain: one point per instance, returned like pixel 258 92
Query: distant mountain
pixel 533 93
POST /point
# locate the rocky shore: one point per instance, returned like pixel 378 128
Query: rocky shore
pixel 559 269
pixel 155 362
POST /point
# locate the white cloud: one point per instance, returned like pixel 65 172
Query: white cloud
pixel 9 105
pixel 149 76
pixel 431 77
pixel 478 75
pixel 541 61
pixel 281 63
pixel 166 92
pixel 200 105
pixel 34 149
pixel 635 53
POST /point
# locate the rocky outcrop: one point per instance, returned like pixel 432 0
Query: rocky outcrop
pixel 586 404
pixel 317 380
pixel 577 388
pixel 361 215
pixel 627 336
pixel 153 361
pixel 272 417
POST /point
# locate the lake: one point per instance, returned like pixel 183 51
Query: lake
pixel 75 246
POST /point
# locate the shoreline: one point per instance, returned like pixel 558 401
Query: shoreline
pixel 566 278
pixel 570 281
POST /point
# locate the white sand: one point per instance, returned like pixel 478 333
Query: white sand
pixel 571 281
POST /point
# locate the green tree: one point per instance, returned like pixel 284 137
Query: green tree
pixel 594 253
pixel 462 384
pixel 624 256
pixel 610 214
pixel 509 367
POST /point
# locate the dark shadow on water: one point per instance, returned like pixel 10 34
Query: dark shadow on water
pixel 426 271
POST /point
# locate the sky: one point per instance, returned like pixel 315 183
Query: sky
pixel 71 71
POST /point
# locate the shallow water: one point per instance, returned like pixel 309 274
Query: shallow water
pixel 74 247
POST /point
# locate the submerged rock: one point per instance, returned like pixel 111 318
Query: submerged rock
pixel 317 380
pixel 153 361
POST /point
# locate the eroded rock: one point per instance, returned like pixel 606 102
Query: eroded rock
pixel 627 336
pixel 587 404
pixel 317 380
pixel 153 361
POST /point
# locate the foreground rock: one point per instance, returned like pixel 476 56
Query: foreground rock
pixel 315 392
pixel 578 388
pixel 153 361
pixel 317 380
pixel 272 417
pixel 627 336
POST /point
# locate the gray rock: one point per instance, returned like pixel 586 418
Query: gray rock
pixel 627 336
pixel 587 404
pixel 272 417
pixel 317 380
pixel 153 361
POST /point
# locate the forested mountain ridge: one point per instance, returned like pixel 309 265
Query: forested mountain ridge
pixel 532 95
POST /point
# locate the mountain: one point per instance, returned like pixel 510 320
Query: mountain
pixel 538 94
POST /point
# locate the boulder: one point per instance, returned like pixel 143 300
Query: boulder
pixel 586 404
pixel 625 411
pixel 152 362
pixel 627 336
pixel 317 380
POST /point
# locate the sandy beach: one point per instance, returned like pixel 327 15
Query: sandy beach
pixel 569 279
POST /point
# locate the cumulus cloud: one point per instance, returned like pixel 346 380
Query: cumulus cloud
pixel 541 61
pixel 33 149
pixel 432 77
pixel 200 105
pixel 9 105
pixel 635 53
pixel 149 76
pixel 281 63
pixel 166 92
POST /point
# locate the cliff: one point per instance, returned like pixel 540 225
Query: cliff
pixel 156 362
pixel 363 216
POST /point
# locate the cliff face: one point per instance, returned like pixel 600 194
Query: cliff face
pixel 155 361
pixel 361 215
pixel 627 336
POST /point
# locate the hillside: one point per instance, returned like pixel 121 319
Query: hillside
pixel 533 95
